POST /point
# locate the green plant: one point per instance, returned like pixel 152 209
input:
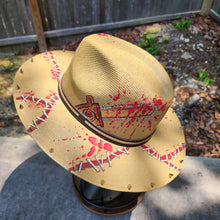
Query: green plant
pixel 182 24
pixel 16 51
pixel 204 76
pixel 166 41
pixel 150 44
pixel 218 107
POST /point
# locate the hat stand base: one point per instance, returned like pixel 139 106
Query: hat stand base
pixel 102 201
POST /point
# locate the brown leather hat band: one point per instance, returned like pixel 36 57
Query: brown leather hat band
pixel 100 132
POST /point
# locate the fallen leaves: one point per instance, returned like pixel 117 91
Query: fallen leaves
pixel 203 129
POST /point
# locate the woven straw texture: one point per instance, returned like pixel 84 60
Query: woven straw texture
pixel 89 85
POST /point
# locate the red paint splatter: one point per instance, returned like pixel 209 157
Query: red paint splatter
pixel 128 102
pixel 101 34
pixel 108 147
pixel 133 132
pixel 116 97
pixel 64 139
pixel 163 107
pixel 124 91
pixel 91 152
pixel 29 96
pixel 30 129
pixel 112 122
pixel 78 158
pixel 142 120
pixel 95 162
pixel 157 102
pixel 55 71
pixel 149 124
pixel 51 94
pixel 100 144
pixel 84 155
pixel 93 140
pixel 156 117
pixel 166 157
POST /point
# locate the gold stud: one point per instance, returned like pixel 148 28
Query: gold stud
pixel 21 71
pixel 51 150
pixel 129 186
pixel 21 106
pixel 18 87
pixel 181 161
pixel 170 175
pixel 152 185
pixel 102 182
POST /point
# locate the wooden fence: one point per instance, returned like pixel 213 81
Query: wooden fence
pixel 60 20
pixel 215 10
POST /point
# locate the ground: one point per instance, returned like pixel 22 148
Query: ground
pixel 184 52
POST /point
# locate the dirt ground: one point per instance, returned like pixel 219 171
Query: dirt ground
pixel 184 53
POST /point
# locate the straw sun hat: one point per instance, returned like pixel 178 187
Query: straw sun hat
pixel 103 113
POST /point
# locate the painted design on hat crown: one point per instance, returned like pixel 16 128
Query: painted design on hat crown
pixel 131 87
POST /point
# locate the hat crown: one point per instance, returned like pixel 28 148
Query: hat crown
pixel 116 88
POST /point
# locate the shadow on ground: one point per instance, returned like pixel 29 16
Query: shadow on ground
pixel 41 189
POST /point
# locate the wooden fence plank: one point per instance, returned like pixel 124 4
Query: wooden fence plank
pixel 52 15
pixel 95 12
pixel 110 10
pixel 23 9
pixel 60 18
pixel 19 19
pixel 114 25
pixel 38 24
pixel 206 6
pixel 216 6
pixel 76 13
pixel 43 8
pixel 88 12
pixel 7 20
pixel 3 32
pixel 18 40
pixel 215 11
pixel 94 28
pixel 64 14
pixel 11 10
pixel 115 14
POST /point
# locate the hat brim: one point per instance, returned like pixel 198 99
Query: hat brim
pixel 83 153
